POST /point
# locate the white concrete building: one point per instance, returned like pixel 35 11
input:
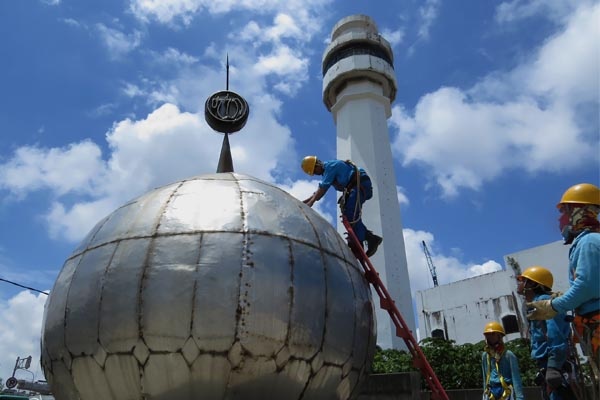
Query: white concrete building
pixel 359 85
pixel 460 310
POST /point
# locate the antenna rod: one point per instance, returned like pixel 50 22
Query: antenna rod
pixel 227 83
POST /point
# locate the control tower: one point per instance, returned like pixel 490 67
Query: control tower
pixel 359 86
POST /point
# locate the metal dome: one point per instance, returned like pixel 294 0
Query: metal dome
pixel 221 286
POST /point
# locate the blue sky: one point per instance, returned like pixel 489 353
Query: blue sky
pixel 497 113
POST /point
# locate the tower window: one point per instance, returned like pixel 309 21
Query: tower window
pixel 355 49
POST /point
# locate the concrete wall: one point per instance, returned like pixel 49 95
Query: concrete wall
pixel 554 256
pixel 461 309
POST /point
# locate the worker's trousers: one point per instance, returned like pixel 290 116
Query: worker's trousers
pixel 352 207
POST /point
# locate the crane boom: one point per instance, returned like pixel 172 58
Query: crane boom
pixel 430 264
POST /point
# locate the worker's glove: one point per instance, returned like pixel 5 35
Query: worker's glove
pixel 554 295
pixel 553 378
pixel 540 310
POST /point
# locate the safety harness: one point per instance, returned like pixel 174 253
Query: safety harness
pixel 506 388
pixel 587 334
pixel 352 183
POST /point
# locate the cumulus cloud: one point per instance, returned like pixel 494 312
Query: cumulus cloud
pixel 117 42
pixel 283 61
pixel 33 168
pixel 20 337
pixel 448 268
pixel 526 119
pixel 166 146
pixel 169 144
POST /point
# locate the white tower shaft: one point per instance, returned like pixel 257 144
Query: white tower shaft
pixel 358 87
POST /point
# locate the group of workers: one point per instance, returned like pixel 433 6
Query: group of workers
pixel 547 311
pixel 549 323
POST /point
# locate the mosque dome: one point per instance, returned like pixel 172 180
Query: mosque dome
pixel 220 286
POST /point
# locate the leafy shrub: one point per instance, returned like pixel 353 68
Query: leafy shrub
pixel 456 366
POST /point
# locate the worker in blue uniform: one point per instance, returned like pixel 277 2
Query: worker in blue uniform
pixel 549 340
pixel 579 208
pixel 357 188
pixel 500 367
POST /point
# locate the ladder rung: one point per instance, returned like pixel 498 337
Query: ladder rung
pixel 386 304
pixel 402 333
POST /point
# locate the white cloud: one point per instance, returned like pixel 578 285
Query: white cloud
pixel 402 198
pixel 73 168
pixel 448 269
pixel 117 42
pixel 166 146
pixel 284 26
pixel 74 223
pixel 428 13
pixel 20 337
pixel 170 11
pixel 169 144
pixel 526 119
pixel 568 65
pixel 393 37
pixel 284 62
pixel 173 57
pixel 510 11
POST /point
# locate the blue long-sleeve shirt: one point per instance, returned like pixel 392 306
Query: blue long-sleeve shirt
pixel 509 369
pixel 549 339
pixel 584 275
pixel 337 173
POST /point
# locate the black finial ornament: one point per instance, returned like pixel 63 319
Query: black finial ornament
pixel 226 112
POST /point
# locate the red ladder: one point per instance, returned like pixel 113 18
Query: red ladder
pixel 387 303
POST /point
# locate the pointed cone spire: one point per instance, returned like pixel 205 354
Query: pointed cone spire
pixel 225 160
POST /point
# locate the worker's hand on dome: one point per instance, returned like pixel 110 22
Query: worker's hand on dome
pixel 310 201
pixel 540 310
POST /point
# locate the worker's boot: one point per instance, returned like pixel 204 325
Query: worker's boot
pixel 373 242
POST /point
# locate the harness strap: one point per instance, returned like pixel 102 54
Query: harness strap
pixel 506 388
pixel 351 184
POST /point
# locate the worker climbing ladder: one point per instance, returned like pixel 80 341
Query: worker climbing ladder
pixel 387 303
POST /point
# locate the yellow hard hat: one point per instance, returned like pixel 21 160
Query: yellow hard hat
pixel 494 327
pixel 583 193
pixel 308 164
pixel 539 275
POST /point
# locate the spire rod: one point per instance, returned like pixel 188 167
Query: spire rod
pixel 227 82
